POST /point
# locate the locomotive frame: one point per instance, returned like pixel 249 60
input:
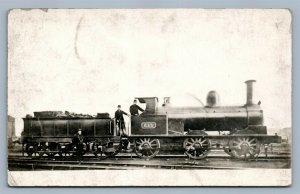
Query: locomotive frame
pixel 154 130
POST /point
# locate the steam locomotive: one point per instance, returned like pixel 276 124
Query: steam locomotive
pixel 155 129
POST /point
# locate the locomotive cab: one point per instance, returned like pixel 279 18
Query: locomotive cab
pixel 149 123
pixel 151 104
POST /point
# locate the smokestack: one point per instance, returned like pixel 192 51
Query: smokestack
pixel 249 84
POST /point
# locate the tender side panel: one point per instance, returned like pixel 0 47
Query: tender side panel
pixel 104 127
pixel 48 129
pixel 35 128
pixel 149 125
pixel 61 128
pixel 27 125
pixel 88 127
pixel 67 128
pixel 74 125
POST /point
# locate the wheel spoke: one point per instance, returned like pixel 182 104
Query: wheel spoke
pixel 252 145
pixel 251 140
pixel 235 142
pixel 139 142
pixel 236 146
pixel 195 153
pixel 203 141
pixel 152 141
pixel 188 143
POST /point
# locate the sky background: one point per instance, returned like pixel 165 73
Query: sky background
pixel 89 61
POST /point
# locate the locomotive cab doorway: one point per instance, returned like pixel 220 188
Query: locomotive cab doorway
pixel 117 130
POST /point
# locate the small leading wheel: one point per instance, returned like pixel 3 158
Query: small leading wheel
pixel 244 147
pixel 147 148
pixel 196 147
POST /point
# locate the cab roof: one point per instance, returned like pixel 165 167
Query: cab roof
pixel 142 99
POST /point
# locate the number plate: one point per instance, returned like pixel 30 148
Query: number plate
pixel 148 125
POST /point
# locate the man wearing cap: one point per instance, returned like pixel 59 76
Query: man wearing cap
pixel 120 119
pixel 134 109
pixel 78 143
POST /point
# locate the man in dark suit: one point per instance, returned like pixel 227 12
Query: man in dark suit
pixel 120 119
pixel 78 141
pixel 134 109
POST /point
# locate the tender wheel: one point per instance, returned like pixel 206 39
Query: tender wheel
pixel 41 150
pixel 244 147
pixel 30 149
pixel 196 147
pixel 61 149
pixel 52 149
pixel 67 150
pixel 147 148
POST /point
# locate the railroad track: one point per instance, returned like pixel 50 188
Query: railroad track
pixel 124 163
pixel 216 155
pixel 92 165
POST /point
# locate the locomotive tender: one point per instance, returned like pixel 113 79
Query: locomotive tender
pixel 155 129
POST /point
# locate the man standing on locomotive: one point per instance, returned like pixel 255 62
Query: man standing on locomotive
pixel 134 109
pixel 120 120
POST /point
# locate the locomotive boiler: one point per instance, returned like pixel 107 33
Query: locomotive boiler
pixel 240 130
pixel 213 117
